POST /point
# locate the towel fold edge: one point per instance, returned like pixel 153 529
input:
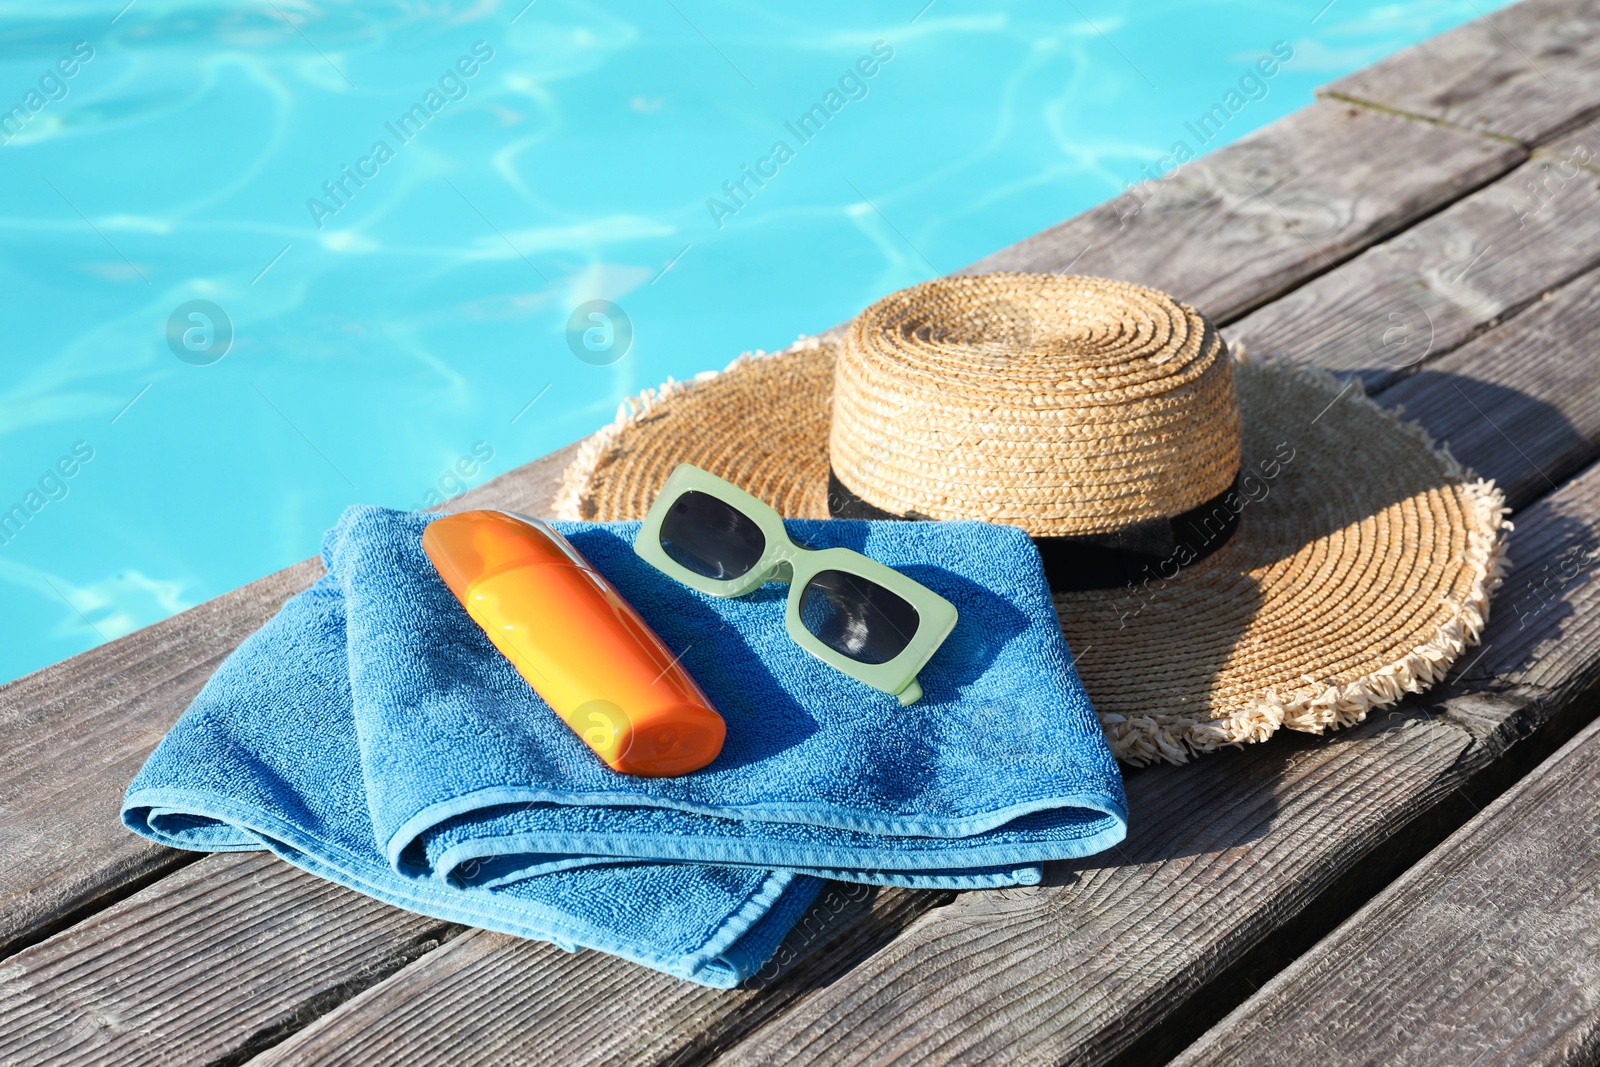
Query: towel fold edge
pixel 432 815
pixel 714 963
pixel 1112 830
pixel 999 877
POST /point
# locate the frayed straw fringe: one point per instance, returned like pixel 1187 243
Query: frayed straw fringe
pixel 573 497
pixel 1316 707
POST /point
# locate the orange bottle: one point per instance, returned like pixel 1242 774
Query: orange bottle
pixel 581 647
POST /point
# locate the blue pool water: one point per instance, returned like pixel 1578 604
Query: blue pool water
pixel 491 169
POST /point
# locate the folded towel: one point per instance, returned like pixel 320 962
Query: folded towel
pixel 370 733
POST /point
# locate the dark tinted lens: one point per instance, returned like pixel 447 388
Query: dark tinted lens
pixel 711 538
pixel 857 617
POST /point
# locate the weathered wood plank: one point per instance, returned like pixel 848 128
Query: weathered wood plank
pixel 1221 854
pixel 1528 72
pixel 431 989
pixel 1488 951
pixel 1580 148
pixel 1224 852
pixel 1274 796
pixel 1075 971
pixel 1494 398
pixel 1546 616
pixel 75 733
pixel 1232 230
pixel 548 1007
pixel 1431 288
pixel 150 980
pixel 72 736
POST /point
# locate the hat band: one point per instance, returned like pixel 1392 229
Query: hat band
pixel 1155 549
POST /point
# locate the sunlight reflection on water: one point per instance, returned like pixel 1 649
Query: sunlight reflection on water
pixel 396 320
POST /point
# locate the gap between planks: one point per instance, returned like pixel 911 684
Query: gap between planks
pixel 1488 948
pixel 423 1000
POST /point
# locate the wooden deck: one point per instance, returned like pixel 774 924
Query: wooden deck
pixel 1423 888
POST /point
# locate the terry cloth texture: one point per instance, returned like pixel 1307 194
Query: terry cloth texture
pixel 371 734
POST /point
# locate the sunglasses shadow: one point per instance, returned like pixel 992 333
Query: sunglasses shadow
pixel 985 624
pixel 731 666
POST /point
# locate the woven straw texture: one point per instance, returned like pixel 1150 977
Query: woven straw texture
pixel 1064 405
pixel 762 424
pixel 1362 566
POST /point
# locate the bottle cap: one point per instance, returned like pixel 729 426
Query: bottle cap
pixel 474 545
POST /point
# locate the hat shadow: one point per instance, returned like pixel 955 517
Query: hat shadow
pixel 1229 798
pixel 1495 430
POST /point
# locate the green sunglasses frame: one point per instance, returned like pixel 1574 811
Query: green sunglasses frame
pixel 784 560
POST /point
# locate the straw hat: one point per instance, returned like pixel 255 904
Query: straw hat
pixel 1235 546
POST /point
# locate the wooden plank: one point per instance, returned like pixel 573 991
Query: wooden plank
pixel 1488 951
pixel 1221 855
pixel 1426 291
pixel 1232 230
pixel 1528 72
pixel 549 1007
pixel 149 980
pixel 75 733
pixel 72 736
pixel 1546 616
pixel 1494 397
pixel 1579 148
pixel 679 1015
pixel 1269 833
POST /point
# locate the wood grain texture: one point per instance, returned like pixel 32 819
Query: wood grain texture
pixel 1226 851
pixel 1180 901
pixel 1521 404
pixel 151 981
pixel 1581 147
pixel 1448 744
pixel 1527 72
pixel 72 737
pixel 1220 853
pixel 1234 229
pixel 73 734
pixel 1486 952
pixel 1546 617
pixel 488 998
pixel 1427 290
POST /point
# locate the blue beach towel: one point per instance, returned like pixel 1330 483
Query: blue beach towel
pixel 372 735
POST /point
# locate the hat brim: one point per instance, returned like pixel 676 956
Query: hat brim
pixel 1361 567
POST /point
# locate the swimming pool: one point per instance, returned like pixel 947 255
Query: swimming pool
pixel 267 260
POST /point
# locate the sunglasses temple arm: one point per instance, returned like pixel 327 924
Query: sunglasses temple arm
pixel 910 694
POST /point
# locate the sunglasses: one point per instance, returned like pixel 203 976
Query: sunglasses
pixel 853 613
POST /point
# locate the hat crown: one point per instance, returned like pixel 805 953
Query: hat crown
pixel 1068 406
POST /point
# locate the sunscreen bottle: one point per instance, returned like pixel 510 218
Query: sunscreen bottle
pixel 577 642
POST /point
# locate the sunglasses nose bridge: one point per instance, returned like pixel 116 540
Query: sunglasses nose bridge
pixel 782 569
